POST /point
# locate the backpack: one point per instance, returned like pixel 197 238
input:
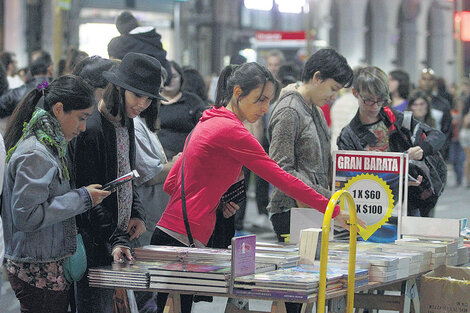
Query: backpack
pixel 432 167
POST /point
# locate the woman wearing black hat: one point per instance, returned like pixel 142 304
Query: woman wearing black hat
pixel 101 154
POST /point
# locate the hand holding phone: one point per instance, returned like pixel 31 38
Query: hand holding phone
pixel 113 185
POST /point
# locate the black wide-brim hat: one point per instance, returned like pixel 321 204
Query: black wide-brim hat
pixel 139 73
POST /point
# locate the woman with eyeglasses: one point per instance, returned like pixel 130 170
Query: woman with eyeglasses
pixel 377 127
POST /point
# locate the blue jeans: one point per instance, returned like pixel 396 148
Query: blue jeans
pixel 457 159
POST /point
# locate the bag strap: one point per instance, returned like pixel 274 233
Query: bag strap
pixel 407 118
pixel 183 199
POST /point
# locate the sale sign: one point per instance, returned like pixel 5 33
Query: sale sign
pixel 374 179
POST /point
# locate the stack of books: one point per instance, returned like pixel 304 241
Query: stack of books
pixel 203 275
pixel 123 275
pixel 420 261
pixel 276 256
pixel 199 276
pixel 383 268
pixel 438 250
pixel 403 267
pixel 300 282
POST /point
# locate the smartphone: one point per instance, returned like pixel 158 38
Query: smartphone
pixel 112 185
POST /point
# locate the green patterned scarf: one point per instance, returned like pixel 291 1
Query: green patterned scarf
pixel 47 130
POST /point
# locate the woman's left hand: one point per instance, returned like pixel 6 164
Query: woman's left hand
pixel 230 209
pixel 136 228
pixel 415 153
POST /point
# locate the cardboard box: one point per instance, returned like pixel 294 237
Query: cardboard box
pixel 446 289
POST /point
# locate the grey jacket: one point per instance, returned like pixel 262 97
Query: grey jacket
pixel 300 144
pixel 38 206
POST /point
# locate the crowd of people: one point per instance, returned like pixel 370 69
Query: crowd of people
pixel 69 132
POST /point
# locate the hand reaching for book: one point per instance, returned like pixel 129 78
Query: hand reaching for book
pixel 97 194
pixel 121 253
pixel 343 220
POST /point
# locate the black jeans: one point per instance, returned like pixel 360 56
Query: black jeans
pixel 38 300
pixel 281 224
pixel 161 238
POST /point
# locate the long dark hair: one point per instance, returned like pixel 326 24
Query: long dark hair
pixel 115 101
pixel 151 115
pixel 72 91
pixel 194 82
pixel 248 76
pixel 415 95
pixel 403 82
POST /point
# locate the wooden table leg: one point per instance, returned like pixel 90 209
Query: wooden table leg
pixel 278 307
pixel 307 307
pixel 410 293
pixel 173 303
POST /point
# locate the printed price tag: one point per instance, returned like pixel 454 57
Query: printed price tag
pixel 374 201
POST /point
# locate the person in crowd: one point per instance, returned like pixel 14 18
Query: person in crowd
pixel 440 107
pixel 137 38
pixel 91 69
pixel 153 167
pixel 214 155
pixel 25 74
pixel 342 111
pixel 107 151
pixel 38 203
pixel 72 57
pixel 179 113
pixel 420 104
pixel 274 60
pixel 289 73
pixel 464 134
pixel 41 70
pixel 3 80
pixel 2 172
pixel 442 90
pixel 399 86
pixel 8 60
pixel 300 141
pixel 194 82
pixel 378 127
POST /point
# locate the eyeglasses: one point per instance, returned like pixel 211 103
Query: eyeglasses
pixel 427 71
pixel 372 102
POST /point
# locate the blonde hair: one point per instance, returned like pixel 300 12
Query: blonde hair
pixel 372 81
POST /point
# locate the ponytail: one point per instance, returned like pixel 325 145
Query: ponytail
pixel 223 95
pixel 21 115
pixel 248 76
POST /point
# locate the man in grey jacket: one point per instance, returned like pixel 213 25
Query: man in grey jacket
pixel 300 138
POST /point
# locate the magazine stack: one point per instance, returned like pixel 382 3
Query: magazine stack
pixel 286 283
pixel 121 275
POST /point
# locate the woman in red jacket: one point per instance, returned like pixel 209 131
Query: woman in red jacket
pixel 214 155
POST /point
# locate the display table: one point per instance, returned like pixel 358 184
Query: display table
pixel 402 303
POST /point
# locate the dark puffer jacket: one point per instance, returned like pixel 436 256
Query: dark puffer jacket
pixel 141 40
